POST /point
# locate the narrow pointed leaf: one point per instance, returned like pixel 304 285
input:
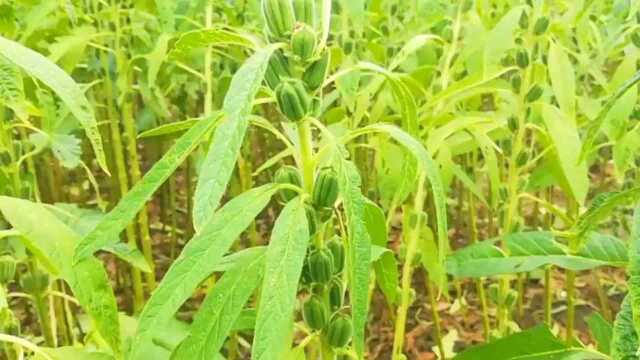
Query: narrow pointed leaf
pixel 531 250
pixel 359 248
pixel 197 261
pixel 53 242
pixel 284 259
pixel 221 158
pixel 112 224
pixel 38 66
pixel 220 310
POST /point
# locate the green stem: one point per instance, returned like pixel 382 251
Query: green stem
pixel 571 306
pixel 407 272
pixel 436 317
pixel 548 299
pixel 306 154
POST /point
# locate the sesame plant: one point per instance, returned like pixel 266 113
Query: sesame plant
pixel 319 179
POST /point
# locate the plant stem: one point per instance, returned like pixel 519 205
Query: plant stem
pixel 548 300
pixel 123 182
pixel 306 154
pixel 436 317
pixel 407 272
pixel 571 309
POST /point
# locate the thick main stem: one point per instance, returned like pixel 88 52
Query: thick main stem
pixel 306 155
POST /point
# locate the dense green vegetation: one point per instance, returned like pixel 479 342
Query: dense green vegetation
pixel 318 179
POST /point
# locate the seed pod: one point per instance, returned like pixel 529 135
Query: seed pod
pixel 516 81
pixel 277 69
pixel 511 299
pixel 541 26
pixel 315 74
pixel 279 17
pixel 522 59
pixel 288 175
pixel 305 11
pixel 321 266
pixel 337 252
pixel 512 122
pixel 305 276
pixel 635 39
pixel 467 5
pixel 293 100
pixel 35 283
pixel 523 22
pixel 312 219
pixel 521 159
pixel 303 42
pixel 339 331
pixel 7 269
pixel 534 93
pixel 325 189
pixel 315 313
pixel 335 295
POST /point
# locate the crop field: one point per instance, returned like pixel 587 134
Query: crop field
pixel 319 179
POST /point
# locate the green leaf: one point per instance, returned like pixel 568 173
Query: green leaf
pixel 624 341
pixel 216 37
pixel 596 124
pixel 169 129
pixel 129 254
pixel 563 80
pixel 633 270
pixel 602 331
pixel 70 352
pixel 107 231
pixel 359 247
pixel 536 343
pixel 284 259
pixel 601 207
pixel 386 266
pixel 53 242
pixel 197 261
pixel 433 174
pixel 62 84
pixel 531 250
pixel 218 166
pixel 566 141
pixel 220 310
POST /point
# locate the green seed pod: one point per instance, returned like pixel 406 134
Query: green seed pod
pixel 305 11
pixel 335 295
pixel 325 189
pixel 541 26
pixel 7 269
pixel 321 266
pixel 279 18
pixel 312 219
pixel 521 159
pixel 522 59
pixel 315 74
pixel 512 123
pixel 293 100
pixel 288 175
pixel 303 42
pixel 516 82
pixel 339 331
pixel 35 283
pixel 635 39
pixel 511 299
pixel 277 69
pixel 523 22
pixel 467 5
pixel 337 252
pixel 305 276
pixel 315 313
pixel 534 93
